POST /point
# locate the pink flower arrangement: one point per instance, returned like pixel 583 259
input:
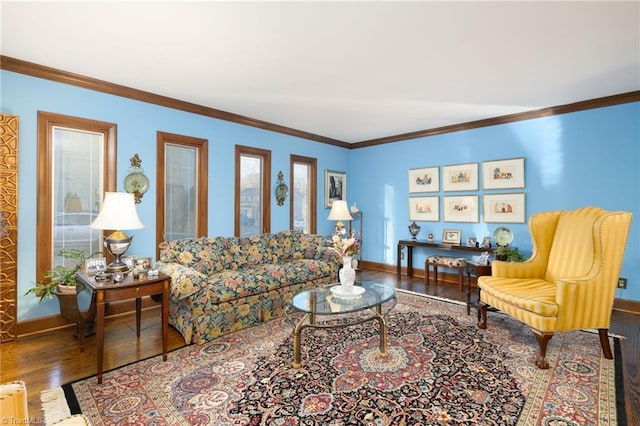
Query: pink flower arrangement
pixel 345 246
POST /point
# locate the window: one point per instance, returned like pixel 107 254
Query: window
pixel 253 180
pixel 181 188
pixel 76 166
pixel 303 194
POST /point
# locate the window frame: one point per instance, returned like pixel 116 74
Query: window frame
pixel 312 163
pixel 265 155
pixel 44 220
pixel 202 178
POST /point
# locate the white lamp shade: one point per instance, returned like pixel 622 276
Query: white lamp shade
pixel 118 213
pixel 339 211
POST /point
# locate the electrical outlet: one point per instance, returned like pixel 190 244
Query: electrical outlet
pixel 622 283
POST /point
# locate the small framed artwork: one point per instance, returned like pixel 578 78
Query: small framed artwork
pixel 424 209
pixel 130 261
pixel 93 265
pixel 503 174
pixel 335 187
pixel 460 177
pixel 143 263
pixel 486 242
pixel 462 208
pixel 472 242
pixel 425 179
pixel 451 236
pixel 504 208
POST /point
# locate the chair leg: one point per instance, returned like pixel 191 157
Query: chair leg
pixel 543 339
pixel 482 315
pixel 604 342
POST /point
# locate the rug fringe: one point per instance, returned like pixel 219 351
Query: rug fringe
pixel 54 405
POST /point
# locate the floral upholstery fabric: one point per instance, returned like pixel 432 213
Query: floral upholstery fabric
pixel 223 284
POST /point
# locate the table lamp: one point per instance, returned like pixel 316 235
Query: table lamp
pixel 339 212
pixel 119 213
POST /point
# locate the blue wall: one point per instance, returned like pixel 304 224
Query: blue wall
pixel 138 123
pixel 571 160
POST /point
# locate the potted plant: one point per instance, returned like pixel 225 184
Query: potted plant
pixel 61 278
pixel 508 254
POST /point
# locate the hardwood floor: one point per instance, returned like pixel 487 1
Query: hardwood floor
pixel 52 359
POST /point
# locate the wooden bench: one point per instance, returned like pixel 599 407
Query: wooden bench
pixel 456 263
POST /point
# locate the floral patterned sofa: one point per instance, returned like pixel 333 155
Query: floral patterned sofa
pixel 223 284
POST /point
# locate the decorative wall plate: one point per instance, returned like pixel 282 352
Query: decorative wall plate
pixel 503 236
pixel 136 182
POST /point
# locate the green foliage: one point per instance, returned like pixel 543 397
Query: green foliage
pixel 509 254
pixel 62 275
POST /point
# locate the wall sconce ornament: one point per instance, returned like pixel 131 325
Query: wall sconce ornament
pixel 136 182
pixel 281 189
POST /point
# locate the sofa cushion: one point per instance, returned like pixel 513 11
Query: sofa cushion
pixel 197 253
pixel 283 244
pixel 533 295
pixel 256 250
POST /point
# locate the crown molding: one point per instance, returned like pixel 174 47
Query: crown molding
pixel 53 74
pixel 60 76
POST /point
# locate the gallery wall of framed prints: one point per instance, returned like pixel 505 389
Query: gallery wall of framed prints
pixel 493 205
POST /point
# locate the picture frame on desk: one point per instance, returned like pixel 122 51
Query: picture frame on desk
pixel 143 263
pixel 451 236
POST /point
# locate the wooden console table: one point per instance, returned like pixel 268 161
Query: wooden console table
pixel 410 244
pixel 109 291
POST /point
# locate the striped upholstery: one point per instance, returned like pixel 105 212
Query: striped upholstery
pixel 570 280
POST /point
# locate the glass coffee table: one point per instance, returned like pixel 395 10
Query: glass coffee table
pixel 331 301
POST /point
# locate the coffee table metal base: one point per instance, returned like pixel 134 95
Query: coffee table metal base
pixel 302 324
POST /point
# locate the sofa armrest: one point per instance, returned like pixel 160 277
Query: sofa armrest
pixel 185 281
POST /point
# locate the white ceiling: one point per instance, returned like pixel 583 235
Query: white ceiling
pixel 351 71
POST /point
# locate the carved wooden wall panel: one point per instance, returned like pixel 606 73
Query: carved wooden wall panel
pixel 8 226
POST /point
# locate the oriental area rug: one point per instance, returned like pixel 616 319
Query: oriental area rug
pixel 439 369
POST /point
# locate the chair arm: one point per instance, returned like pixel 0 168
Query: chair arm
pixel 532 268
pixel 584 302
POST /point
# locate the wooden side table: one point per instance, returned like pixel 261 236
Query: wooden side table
pixel 109 291
pixel 477 270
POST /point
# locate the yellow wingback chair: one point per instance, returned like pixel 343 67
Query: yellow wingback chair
pixel 570 280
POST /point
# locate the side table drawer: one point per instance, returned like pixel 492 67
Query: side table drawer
pixel 133 292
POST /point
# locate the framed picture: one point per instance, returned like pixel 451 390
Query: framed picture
pixel 426 179
pixel 424 209
pixel 130 261
pixel 486 242
pixel 93 265
pixel 504 208
pixel 472 242
pixel 143 263
pixel 462 208
pixel 502 174
pixel 451 236
pixel 335 187
pixel 460 177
